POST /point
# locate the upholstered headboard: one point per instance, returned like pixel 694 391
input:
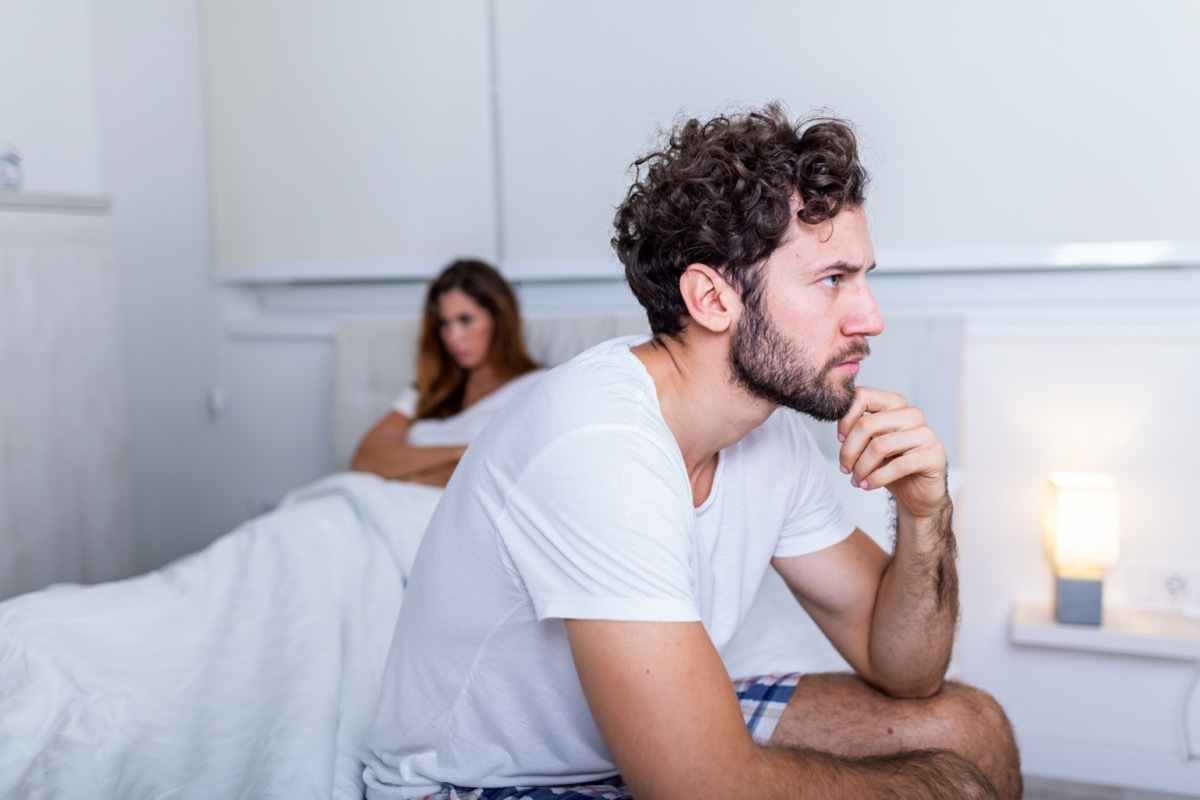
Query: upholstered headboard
pixel 918 357
pixel 375 360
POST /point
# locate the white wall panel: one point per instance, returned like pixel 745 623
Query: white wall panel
pixel 357 139
pixel 47 96
pixel 983 124
pixel 348 133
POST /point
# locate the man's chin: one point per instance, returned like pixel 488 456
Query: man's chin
pixel 827 402
pixel 824 413
pixel 827 406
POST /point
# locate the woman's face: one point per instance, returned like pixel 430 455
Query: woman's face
pixel 465 328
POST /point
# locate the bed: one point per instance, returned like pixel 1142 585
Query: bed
pixel 250 669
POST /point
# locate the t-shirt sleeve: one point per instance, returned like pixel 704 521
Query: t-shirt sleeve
pixel 406 403
pixel 599 526
pixel 816 519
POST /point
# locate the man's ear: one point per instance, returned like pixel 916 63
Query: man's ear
pixel 709 298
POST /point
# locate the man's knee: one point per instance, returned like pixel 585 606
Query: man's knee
pixel 980 730
pixel 840 713
pixel 970 710
pixel 862 720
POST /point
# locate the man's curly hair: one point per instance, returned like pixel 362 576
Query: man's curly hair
pixel 719 193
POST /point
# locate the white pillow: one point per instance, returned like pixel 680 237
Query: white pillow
pixel 777 634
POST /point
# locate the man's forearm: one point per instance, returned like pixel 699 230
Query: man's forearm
pixel 916 608
pixel 918 774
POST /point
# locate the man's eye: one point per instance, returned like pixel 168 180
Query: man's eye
pixel 831 280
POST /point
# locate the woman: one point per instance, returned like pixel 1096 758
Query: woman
pixel 471 361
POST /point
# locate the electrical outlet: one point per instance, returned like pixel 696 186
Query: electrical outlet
pixel 1164 585
pixel 217 404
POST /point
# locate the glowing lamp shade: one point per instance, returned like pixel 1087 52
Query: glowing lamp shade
pixel 1082 541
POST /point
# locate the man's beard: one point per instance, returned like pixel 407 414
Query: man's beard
pixel 769 366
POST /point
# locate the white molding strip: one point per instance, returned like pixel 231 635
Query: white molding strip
pixel 897 261
pixel 1080 255
pixel 27 201
pixel 316 330
pixel 384 271
pixel 1058 304
pixel 325 272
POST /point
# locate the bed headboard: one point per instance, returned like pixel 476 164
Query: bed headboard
pixel 374 360
pixel 919 357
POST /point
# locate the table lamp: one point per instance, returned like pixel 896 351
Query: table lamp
pixel 1081 541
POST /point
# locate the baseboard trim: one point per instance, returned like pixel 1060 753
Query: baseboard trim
pixel 1114 765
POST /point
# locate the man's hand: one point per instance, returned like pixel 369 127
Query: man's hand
pixel 885 442
pixel 892 618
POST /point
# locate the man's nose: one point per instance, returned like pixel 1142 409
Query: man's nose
pixel 866 319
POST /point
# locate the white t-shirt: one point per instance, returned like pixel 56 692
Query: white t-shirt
pixel 574 503
pixel 463 427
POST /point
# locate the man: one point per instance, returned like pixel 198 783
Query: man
pixel 602 540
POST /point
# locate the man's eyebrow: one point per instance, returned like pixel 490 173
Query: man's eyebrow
pixel 842 268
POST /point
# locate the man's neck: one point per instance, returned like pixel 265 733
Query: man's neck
pixel 701 404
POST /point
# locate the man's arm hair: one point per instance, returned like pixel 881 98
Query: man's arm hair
pixel 667 711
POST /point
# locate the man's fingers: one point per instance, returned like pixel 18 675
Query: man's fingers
pixel 886 442
pixel 928 461
pixel 867 429
pixel 881 450
pixel 867 401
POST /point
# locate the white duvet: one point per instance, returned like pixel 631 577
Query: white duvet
pixel 247 670
pixel 251 669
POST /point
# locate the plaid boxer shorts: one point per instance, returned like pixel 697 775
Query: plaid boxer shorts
pixel 762 698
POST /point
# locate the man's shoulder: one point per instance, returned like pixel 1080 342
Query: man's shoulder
pixel 601 389
pixel 613 355
pixel 606 380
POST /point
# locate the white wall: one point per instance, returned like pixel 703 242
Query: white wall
pixel 150 96
pixel 1074 370
pixel 1040 398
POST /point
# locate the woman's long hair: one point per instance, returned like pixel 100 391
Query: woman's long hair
pixel 441 382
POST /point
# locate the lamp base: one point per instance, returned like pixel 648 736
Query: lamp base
pixel 1077 600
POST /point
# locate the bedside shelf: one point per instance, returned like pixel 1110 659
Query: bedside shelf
pixel 1132 633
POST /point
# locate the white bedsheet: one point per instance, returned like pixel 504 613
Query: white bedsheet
pixel 247 670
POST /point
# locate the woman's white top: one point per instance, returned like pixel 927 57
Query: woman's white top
pixel 463 427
